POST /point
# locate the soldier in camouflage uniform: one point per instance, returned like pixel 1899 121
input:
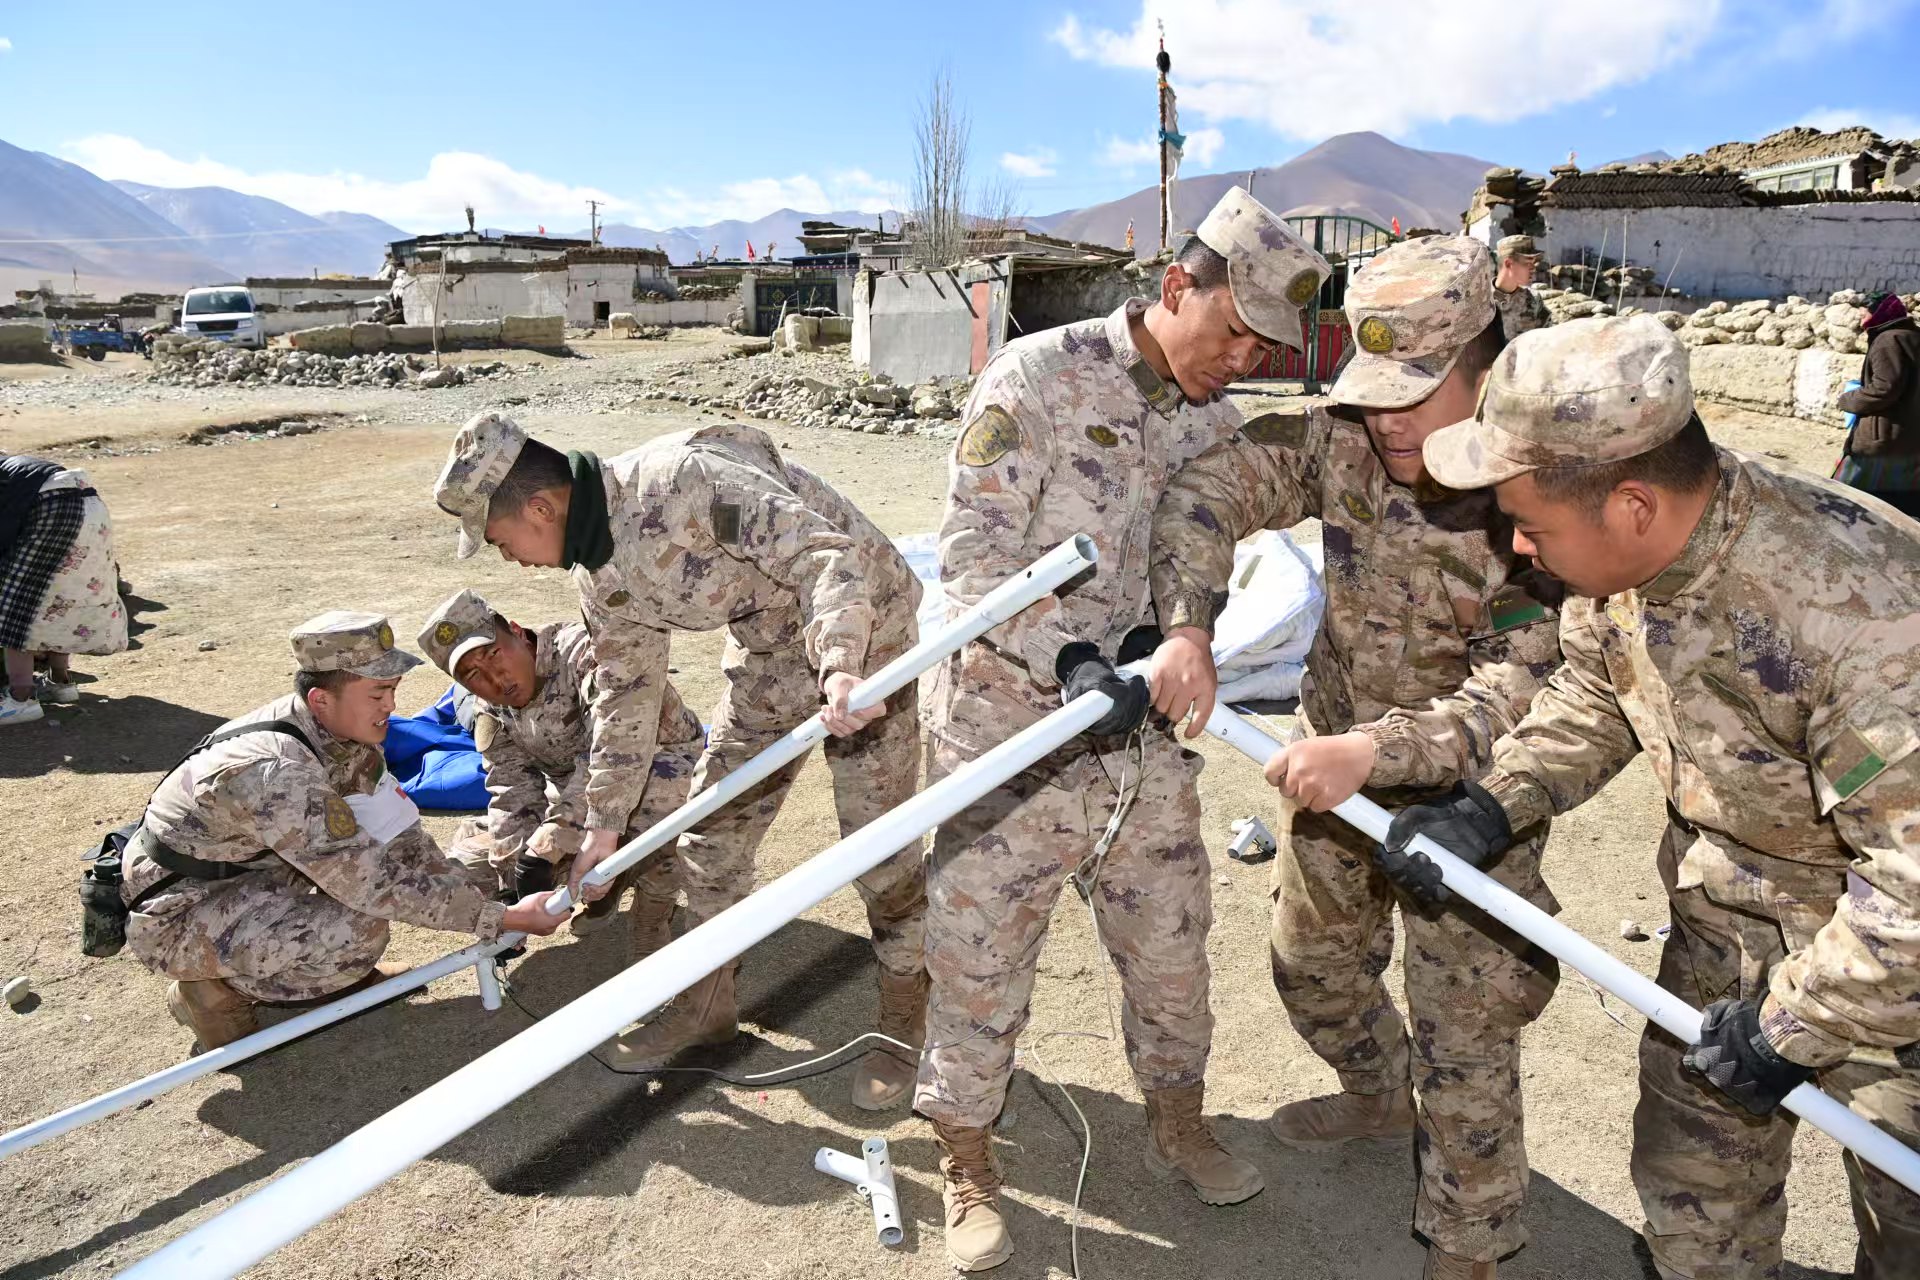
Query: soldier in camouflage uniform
pixel 1435 639
pixel 1753 631
pixel 270 860
pixel 533 728
pixel 1076 431
pixel 693 531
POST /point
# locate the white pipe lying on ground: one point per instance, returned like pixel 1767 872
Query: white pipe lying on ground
pixel 1051 571
pixel 872 1177
pixel 1673 1014
pixel 298 1200
pixel 1042 578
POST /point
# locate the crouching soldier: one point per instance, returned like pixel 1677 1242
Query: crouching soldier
pixel 535 731
pixel 294 797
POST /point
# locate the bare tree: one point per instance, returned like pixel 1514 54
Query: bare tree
pixel 997 210
pixel 937 230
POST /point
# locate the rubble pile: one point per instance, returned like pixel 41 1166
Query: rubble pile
pixel 1836 324
pixel 706 292
pixel 208 363
pixel 815 390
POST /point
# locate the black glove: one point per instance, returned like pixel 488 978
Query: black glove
pixel 1734 1056
pixel 1470 824
pixel 1080 669
pixel 531 874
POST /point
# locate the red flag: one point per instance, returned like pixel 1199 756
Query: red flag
pixel 542 230
pixel 1396 224
pixel 749 251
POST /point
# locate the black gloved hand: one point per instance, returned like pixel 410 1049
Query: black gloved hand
pixel 1470 824
pixel 1734 1056
pixel 531 874
pixel 1080 669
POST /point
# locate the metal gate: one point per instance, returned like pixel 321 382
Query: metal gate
pixel 1346 243
pixel 773 297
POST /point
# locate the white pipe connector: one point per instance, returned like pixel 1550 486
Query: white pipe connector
pixel 489 984
pixel 1673 1014
pixel 872 1177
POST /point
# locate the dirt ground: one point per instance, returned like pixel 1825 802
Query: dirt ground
pixel 596 1176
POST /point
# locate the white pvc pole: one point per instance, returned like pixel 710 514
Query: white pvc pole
pixel 1673 1014
pixel 235 1239
pixel 1043 577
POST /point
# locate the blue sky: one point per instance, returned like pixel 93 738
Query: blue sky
pixel 685 114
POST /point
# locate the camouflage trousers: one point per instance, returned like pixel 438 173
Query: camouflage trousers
pixel 658 875
pixel 877 769
pixel 1470 987
pixel 1711 1176
pixel 997 870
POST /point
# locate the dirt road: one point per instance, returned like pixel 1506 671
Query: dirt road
pixel 602 1176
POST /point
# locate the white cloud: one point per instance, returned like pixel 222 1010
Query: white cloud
pixel 6 45
pixel 1608 113
pixel 1883 121
pixel 501 195
pixel 1134 153
pixel 1039 164
pixel 1202 146
pixel 1310 68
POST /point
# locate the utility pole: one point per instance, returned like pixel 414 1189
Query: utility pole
pixel 593 221
pixel 1165 64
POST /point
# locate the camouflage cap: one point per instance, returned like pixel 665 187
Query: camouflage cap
pixel 462 623
pixel 1271 272
pixel 360 643
pixel 1413 309
pixel 483 452
pixel 1511 245
pixel 1574 394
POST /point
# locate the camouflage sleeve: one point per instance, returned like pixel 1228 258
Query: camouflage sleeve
pixel 1520 311
pixel 1236 487
pixel 758 519
pixel 630 672
pixel 1856 981
pixel 1452 737
pixel 516 790
pixel 568 807
pixel 294 811
pixel 995 479
pixel 1573 739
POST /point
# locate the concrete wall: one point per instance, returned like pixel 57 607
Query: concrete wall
pixel 288 321
pixel 919 326
pixel 712 311
pixel 1765 252
pixel 484 295
pixel 343 291
pixel 614 283
pixel 1779 380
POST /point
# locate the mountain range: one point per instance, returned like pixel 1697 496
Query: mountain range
pixel 59 221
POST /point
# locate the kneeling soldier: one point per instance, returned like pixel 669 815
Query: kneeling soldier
pixel 290 798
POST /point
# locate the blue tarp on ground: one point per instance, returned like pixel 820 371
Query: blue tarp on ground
pixel 434 760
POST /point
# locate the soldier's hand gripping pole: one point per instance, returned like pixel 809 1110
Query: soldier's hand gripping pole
pixel 1043 577
pixel 1674 1015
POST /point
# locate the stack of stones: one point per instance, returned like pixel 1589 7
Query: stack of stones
pixel 877 406
pixel 196 362
pixel 706 292
pixel 1798 323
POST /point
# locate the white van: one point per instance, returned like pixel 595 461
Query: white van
pixel 223 311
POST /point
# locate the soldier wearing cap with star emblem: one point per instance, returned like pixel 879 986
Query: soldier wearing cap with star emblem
pixel 1077 430
pixel 270 861
pixel 1435 638
pixel 692 532
pixel 1756 633
pixel 534 728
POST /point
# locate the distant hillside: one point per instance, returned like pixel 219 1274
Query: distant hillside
pixel 782 227
pixel 70 221
pixel 1359 174
pixel 261 237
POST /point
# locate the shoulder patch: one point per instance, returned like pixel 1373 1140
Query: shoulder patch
pixel 1849 763
pixel 1512 607
pixel 617 599
pixel 991 436
pixel 1105 437
pixel 1287 430
pixel 340 822
pixel 1357 506
pixel 726 523
pixel 485 728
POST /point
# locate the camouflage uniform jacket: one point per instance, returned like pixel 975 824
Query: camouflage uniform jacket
pixel 712 528
pixel 1520 311
pixel 1068 431
pixel 1435 637
pixel 1772 676
pixel 265 792
pixel 537 755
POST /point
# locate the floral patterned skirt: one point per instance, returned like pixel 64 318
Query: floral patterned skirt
pixel 79 610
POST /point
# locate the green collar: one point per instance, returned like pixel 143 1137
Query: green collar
pixel 589 540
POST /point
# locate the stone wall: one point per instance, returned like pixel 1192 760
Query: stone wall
pixel 1747 252
pixel 24 340
pixel 1778 380
pixel 540 332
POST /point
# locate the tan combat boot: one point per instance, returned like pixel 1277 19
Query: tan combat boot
pixel 595 915
pixel 970 1188
pixel 1337 1118
pixel 212 1010
pixel 886 1074
pixel 649 924
pixel 705 1013
pixel 1442 1265
pixel 1181 1145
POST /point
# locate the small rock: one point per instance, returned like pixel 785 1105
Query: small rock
pixel 1631 931
pixel 17 990
pixel 1223 880
pixel 208 646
